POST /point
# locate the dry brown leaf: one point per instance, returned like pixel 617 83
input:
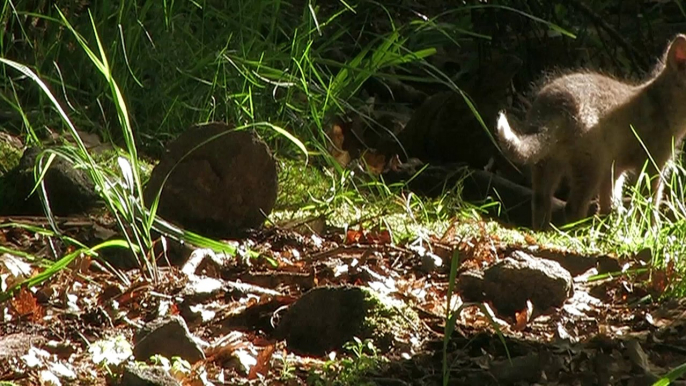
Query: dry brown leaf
pixel 523 317
pixel 353 236
pixel 25 304
pixel 374 162
pixel 337 137
pixel 263 362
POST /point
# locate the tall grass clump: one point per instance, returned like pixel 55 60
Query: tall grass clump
pixel 180 63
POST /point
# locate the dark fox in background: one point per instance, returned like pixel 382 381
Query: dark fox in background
pixel 580 127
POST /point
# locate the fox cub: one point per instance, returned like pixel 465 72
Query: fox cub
pixel 580 127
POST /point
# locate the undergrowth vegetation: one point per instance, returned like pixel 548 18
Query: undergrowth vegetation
pixel 181 63
pixel 138 73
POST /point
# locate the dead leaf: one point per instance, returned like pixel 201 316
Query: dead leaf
pixel 353 236
pixel 263 362
pixel 523 317
pixel 375 162
pixel 25 304
pixel 337 137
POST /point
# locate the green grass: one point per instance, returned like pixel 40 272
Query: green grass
pixel 637 227
pixel 186 62
pixel 349 370
pixel 350 200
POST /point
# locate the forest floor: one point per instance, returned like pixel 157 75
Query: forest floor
pixel 602 334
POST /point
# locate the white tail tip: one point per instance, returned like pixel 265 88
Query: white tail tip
pixel 505 131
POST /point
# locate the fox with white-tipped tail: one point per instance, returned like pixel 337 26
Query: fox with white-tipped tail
pixel 592 129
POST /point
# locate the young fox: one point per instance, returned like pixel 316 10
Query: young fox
pixel 580 127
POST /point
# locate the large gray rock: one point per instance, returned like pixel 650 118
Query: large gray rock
pixel 142 375
pixel 325 318
pixel 218 187
pixel 511 282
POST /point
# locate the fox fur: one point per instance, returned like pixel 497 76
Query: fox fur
pixel 592 129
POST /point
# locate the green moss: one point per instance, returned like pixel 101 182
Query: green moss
pixel 9 156
pixel 299 184
pixel 387 319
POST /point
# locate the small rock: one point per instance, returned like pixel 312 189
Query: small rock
pixel 70 190
pixel 516 279
pixel 168 337
pixel 525 369
pixel 325 318
pixel 219 189
pixel 205 262
pixel 142 375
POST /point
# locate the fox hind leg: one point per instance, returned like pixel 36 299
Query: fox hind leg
pixel 545 176
pixel 585 184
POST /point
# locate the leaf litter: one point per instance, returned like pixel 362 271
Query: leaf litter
pixel 79 325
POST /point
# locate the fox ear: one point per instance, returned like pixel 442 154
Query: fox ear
pixel 677 53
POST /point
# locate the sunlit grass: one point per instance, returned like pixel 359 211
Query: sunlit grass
pixel 361 201
pixel 634 228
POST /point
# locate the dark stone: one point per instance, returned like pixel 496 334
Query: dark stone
pixel 445 130
pixel 325 318
pixel 70 191
pixel 525 369
pixel 142 375
pixel 511 282
pixel 220 189
pixel 168 337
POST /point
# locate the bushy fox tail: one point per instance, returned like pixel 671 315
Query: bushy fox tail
pixel 522 148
